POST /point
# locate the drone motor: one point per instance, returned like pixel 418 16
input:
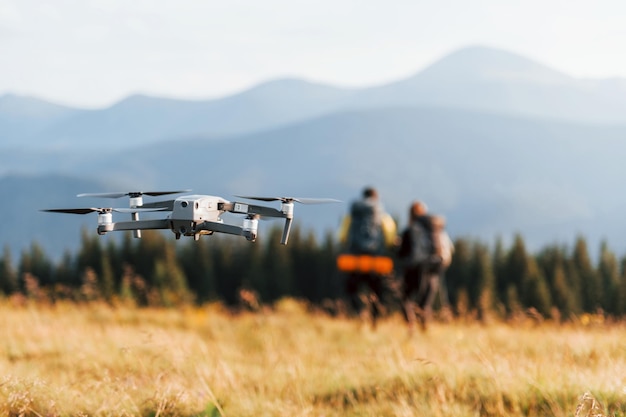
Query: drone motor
pixel 105 222
pixel 287 209
pixel 250 228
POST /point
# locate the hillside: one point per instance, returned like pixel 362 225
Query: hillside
pixel 490 175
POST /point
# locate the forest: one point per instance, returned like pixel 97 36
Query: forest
pixel 557 282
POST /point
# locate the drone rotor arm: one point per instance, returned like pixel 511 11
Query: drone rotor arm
pixel 252 209
pixel 141 225
pixel 141 209
pixel 286 212
pixel 230 229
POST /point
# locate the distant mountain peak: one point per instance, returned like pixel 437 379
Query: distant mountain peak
pixel 481 62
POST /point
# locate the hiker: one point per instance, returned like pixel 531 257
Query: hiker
pixel 425 253
pixel 367 235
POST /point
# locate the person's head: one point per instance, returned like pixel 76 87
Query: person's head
pixel 417 209
pixel 370 192
pixel 438 222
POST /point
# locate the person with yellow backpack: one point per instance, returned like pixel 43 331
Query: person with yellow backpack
pixel 368 235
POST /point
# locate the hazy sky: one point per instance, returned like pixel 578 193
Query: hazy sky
pixel 95 52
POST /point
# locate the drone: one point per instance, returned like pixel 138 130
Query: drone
pixel 192 215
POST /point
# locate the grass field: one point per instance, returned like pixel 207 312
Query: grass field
pixel 70 360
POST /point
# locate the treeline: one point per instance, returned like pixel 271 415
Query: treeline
pixel 160 271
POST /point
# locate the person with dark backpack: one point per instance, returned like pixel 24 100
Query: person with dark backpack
pixel 425 252
pixel 367 234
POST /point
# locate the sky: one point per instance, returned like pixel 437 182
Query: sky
pixel 93 53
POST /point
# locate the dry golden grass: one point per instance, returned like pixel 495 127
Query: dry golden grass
pixel 70 360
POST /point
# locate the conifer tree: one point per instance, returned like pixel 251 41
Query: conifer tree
pixel 525 280
pixel 590 283
pixel 573 278
pixel 458 275
pixel 552 261
pixel 229 267
pixel 90 253
pixel 254 275
pixel 534 290
pixel 148 249
pixel 514 270
pixel 481 287
pixel 36 263
pixel 115 258
pixel 620 303
pixel 169 278
pixel 277 267
pixel 8 275
pixel 499 269
pixel 197 263
pixel 307 265
pixel 608 269
pixel 106 280
pixel 330 282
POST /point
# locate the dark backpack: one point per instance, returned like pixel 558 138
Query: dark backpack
pixel 434 249
pixel 365 234
pixel 417 244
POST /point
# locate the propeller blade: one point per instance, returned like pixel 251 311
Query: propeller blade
pixel 259 198
pixel 291 199
pixel 73 210
pixel 316 200
pixel 103 210
pixel 132 194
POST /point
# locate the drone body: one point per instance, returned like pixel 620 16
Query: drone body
pixel 192 215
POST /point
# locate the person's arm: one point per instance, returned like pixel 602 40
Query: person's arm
pixel 390 231
pixel 344 229
pixel 405 244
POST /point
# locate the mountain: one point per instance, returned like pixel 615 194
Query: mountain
pixel 475 78
pixel 502 82
pixel 138 120
pixel 498 143
pixel 491 175
pixel 25 117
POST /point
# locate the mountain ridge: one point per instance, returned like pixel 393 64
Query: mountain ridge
pixel 479 78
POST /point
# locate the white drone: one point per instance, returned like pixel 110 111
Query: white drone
pixel 192 215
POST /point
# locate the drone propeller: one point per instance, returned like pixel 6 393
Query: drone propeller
pixel 102 210
pixel 136 201
pixel 287 208
pixel 132 194
pixel 292 199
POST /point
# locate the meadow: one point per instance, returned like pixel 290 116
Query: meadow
pixel 96 360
